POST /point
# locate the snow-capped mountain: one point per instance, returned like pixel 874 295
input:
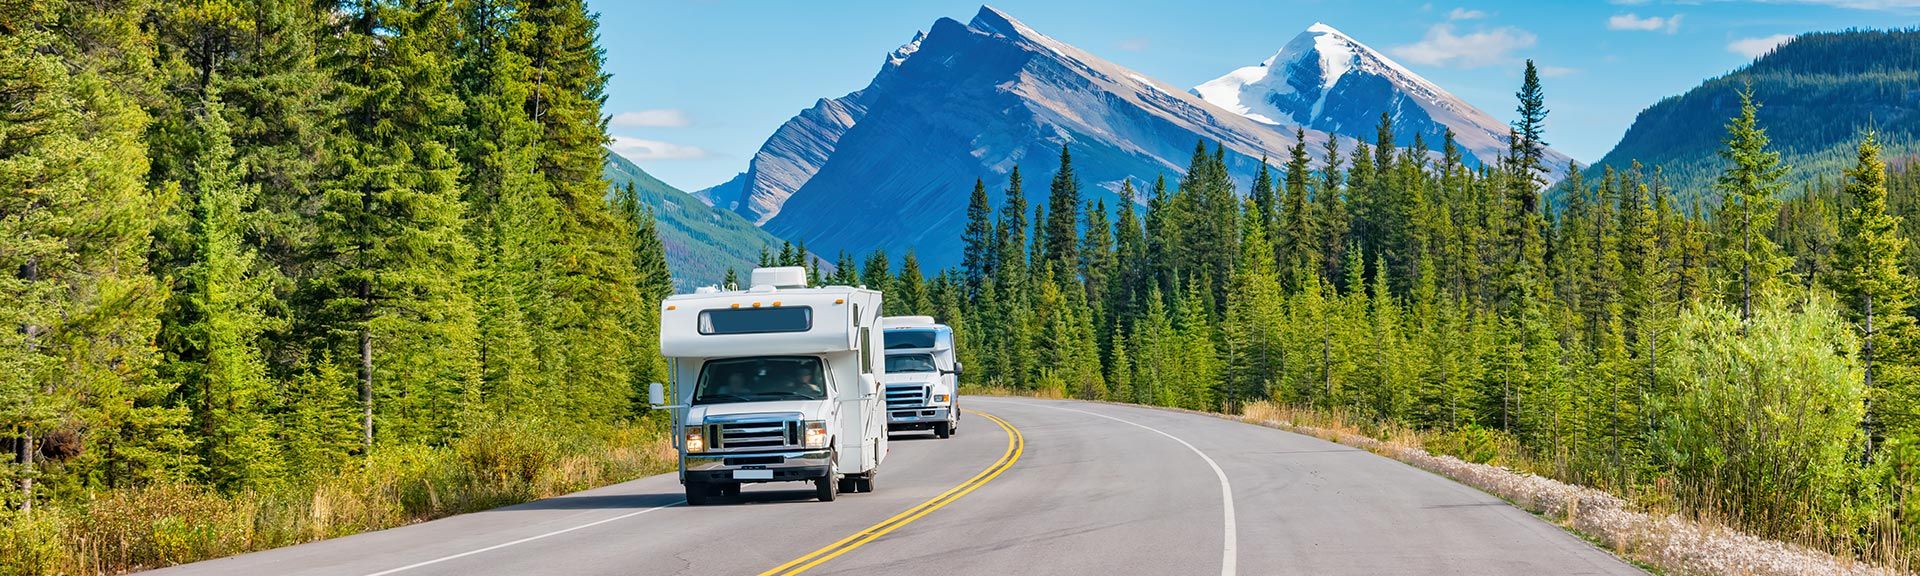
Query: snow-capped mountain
pixel 1328 81
pixel 891 166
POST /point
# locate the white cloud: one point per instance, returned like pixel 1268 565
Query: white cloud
pixel 1465 14
pixel 1631 21
pixel 1754 47
pixel 1135 44
pixel 655 118
pixel 643 149
pixel 1442 47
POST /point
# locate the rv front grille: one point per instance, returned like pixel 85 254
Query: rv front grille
pixel 906 395
pixel 756 435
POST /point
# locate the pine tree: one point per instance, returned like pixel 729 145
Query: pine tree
pixel 389 246
pixel 214 324
pixel 508 212
pixel 1153 342
pixel 876 273
pixel 1876 293
pixel 1010 267
pixel 1163 230
pixel 1331 213
pixel 1062 226
pixel 654 282
pixel 1298 233
pixel 1097 260
pixel 1251 329
pixel 80 306
pixel 1530 159
pixel 1265 205
pixel 910 288
pixel 976 264
pixel 1133 273
pixel 1751 260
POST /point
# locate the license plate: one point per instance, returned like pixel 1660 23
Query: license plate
pixel 752 474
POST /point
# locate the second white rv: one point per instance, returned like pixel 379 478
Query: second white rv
pixel 923 376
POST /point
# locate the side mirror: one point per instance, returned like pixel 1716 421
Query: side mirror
pixel 656 394
pixel 958 367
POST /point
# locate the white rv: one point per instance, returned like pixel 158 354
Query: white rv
pixel 775 383
pixel 923 376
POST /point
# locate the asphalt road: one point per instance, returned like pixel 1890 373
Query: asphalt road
pixel 1090 489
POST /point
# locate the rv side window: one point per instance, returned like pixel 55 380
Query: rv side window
pixel 898 339
pixel 756 320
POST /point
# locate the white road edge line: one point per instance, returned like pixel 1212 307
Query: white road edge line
pixel 1228 559
pixel 521 541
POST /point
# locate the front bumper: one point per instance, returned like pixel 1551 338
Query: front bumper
pixel 786 466
pixel 918 417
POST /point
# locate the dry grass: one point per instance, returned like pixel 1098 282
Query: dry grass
pixel 125 530
pixel 995 390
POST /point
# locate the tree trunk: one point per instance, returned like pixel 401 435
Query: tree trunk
pixel 1866 353
pixel 31 273
pixel 366 390
pixel 1746 265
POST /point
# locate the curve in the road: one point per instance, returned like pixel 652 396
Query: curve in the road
pixel 1228 564
pixel 1016 444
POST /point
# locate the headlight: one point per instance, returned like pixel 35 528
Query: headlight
pixel 696 439
pixel 815 435
pixel 939 397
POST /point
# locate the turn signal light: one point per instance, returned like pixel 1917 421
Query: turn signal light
pixel 816 434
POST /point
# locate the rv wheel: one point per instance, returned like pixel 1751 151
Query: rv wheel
pixel 828 486
pixel 943 429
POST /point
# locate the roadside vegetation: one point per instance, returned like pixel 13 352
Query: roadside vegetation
pixel 1748 361
pixel 280 270
pixel 163 524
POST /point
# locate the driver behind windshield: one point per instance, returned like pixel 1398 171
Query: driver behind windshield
pixel 760 379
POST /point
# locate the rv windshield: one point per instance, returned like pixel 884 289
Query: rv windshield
pixel 760 379
pixel 910 363
pixel 909 339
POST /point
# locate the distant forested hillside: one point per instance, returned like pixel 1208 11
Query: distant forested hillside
pixel 1816 93
pixel 702 243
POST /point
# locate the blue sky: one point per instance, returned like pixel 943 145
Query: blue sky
pixel 698 85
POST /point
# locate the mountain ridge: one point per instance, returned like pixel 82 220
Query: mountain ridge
pixel 701 242
pixel 1323 66
pixel 974 100
pixel 1817 93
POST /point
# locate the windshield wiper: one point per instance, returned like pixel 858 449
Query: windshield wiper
pixel 709 398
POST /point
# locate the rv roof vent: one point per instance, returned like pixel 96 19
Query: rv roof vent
pixel 781 277
pixel 707 290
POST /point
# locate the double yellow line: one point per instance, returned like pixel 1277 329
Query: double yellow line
pixel 1015 445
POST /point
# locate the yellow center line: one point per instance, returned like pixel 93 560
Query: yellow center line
pixel 1016 444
